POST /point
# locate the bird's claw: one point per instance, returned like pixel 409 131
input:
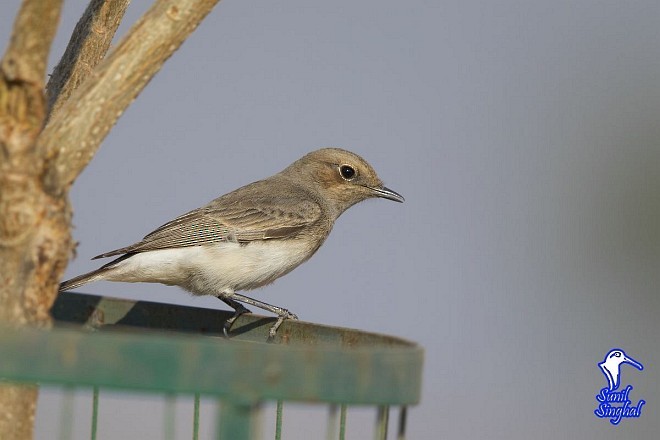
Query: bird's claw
pixel 280 319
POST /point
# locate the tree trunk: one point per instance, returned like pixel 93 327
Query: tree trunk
pixel 34 232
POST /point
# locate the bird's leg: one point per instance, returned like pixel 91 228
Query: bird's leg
pixel 239 309
pixel 272 331
pixel 281 313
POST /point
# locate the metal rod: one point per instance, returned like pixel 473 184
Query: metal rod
pixel 95 411
pixel 342 422
pixel 196 418
pixel 403 416
pixel 66 414
pixel 333 421
pixel 170 417
pixel 278 420
pixel 382 420
pixel 236 420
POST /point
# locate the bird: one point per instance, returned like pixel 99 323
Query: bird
pixel 611 366
pixel 249 237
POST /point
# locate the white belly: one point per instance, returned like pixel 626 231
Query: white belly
pixel 210 270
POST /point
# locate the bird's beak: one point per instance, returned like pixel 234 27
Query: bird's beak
pixel 387 193
pixel 633 362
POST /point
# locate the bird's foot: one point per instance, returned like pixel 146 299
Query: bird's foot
pixel 284 314
pixel 239 310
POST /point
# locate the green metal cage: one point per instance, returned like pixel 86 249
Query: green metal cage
pixel 169 349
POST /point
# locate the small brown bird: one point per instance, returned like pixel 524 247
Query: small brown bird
pixel 251 236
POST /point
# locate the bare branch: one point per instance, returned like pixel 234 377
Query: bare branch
pixel 34 29
pixel 74 134
pixel 22 73
pixel 88 45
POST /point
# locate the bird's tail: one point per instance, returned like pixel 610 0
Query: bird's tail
pixel 95 275
pixel 83 279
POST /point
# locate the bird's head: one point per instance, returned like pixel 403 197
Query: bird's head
pixel 617 357
pixel 342 178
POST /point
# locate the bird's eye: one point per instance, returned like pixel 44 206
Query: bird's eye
pixel 347 172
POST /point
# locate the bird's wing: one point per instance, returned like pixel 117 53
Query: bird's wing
pixel 239 221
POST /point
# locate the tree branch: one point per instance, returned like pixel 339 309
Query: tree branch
pixel 74 134
pixel 88 45
pixel 22 72
pixel 27 55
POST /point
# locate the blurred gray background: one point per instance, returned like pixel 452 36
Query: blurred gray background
pixel 525 137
